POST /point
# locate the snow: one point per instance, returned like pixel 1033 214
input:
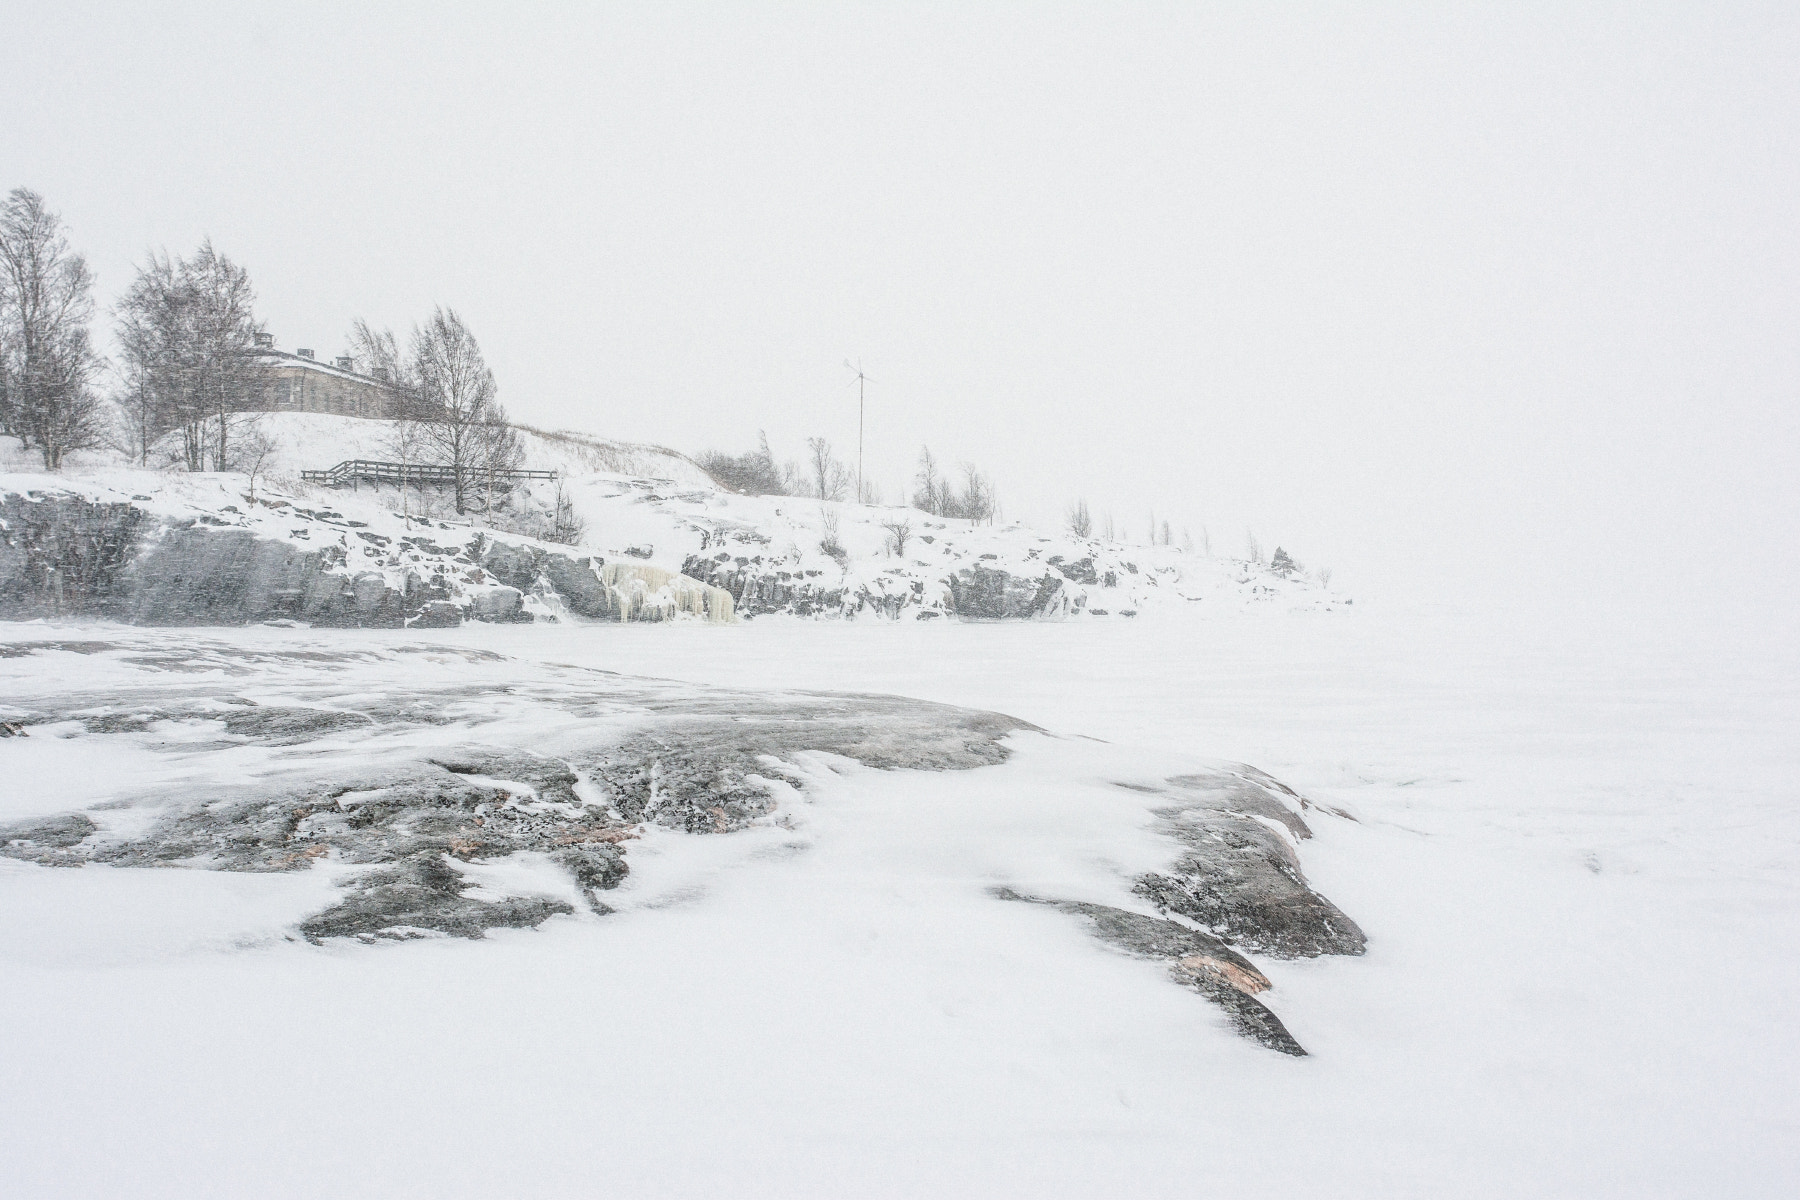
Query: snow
pixel 1576 854
pixel 656 508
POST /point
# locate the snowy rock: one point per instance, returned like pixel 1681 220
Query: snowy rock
pixel 498 604
pixel 451 801
pixel 1241 877
pixel 67 552
pixel 1196 960
pixel 436 614
pixel 686 760
pixel 986 593
pixel 653 522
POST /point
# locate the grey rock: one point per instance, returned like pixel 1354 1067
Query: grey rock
pixel 1240 878
pixel 500 604
pixel 44 839
pixel 988 593
pixel 696 760
pixel 436 614
pixel 62 554
pixel 422 892
pixel 1196 960
pixel 609 754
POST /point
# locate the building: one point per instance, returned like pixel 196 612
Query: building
pixel 299 382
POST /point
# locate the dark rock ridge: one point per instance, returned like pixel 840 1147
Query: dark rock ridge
pixel 1195 960
pixel 1239 881
pixel 763 581
pixel 62 553
pixel 1240 876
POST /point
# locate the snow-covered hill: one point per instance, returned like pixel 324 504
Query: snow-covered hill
pixel 651 515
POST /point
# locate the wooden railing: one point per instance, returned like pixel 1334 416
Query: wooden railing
pixel 356 470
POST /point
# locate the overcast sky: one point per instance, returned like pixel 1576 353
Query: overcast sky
pixel 1446 296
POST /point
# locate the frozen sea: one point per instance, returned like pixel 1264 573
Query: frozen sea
pixel 1576 854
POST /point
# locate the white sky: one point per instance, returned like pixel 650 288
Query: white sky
pixel 1449 297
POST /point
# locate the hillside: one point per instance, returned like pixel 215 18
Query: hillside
pixel 647 517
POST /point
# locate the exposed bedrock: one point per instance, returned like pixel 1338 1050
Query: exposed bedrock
pixel 1195 960
pixel 1240 876
pixel 64 554
pixel 761 584
pixel 389 783
pixel 628 753
pixel 990 594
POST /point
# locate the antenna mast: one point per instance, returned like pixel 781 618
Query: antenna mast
pixel 861 379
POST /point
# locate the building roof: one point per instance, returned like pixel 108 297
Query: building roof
pixel 283 358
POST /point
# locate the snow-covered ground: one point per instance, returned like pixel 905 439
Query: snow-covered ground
pixel 1577 858
pixel 653 507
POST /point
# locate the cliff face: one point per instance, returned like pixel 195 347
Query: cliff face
pixel 73 554
pixel 65 553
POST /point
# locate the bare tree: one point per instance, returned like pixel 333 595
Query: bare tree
pixel 566 525
pixel 1167 537
pixel 148 326
pixel 254 448
pixel 138 397
pixel 828 527
pixel 976 502
pixel 753 473
pixel 464 427
pixel 1252 548
pixel 499 451
pixel 376 353
pixel 187 330
pixel 1108 532
pixel 824 472
pixel 47 361
pixel 1323 575
pixel 1080 522
pixel 229 378
pixel 899 533
pixel 931 491
pixel 405 443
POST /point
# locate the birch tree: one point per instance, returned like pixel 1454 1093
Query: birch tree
pixel 462 424
pixel 931 492
pixel 187 332
pixel 47 361
pixel 828 477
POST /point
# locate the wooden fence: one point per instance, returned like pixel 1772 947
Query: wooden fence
pixel 359 470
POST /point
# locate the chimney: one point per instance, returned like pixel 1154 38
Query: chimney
pixel 304 353
pixel 343 362
pixel 265 341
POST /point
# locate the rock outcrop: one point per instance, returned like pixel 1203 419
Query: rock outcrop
pixel 1195 960
pixel 694 761
pixel 411 788
pixel 761 584
pixel 1240 877
pixel 66 553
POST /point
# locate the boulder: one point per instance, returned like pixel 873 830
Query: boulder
pixel 990 593
pixel 498 604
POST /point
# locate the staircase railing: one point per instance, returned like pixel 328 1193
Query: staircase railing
pixel 356 470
